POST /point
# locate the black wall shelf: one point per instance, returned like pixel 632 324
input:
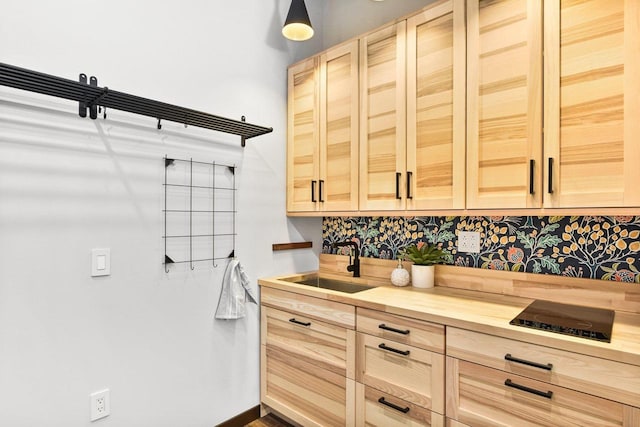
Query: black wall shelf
pixel 90 96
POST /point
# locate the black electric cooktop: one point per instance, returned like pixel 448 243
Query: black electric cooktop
pixel 586 322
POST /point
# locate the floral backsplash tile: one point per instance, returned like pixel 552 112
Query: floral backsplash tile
pixel 597 247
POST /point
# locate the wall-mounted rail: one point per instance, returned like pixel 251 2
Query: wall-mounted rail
pixel 91 96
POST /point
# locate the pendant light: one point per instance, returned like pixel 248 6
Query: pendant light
pixel 298 25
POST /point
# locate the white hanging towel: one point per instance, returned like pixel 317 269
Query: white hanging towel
pixel 235 286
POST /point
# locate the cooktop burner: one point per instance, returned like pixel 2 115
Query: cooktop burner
pixel 577 320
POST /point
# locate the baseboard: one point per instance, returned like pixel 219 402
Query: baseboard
pixel 242 419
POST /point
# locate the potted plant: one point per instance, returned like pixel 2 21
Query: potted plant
pixel 424 257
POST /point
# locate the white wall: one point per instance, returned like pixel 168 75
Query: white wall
pixel 68 185
pixel 343 20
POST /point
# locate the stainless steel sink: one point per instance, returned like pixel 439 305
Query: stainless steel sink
pixel 332 284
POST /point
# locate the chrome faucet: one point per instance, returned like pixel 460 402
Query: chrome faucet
pixel 355 266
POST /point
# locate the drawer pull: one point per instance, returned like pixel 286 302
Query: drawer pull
pixel 510 383
pixel 397 331
pixel 297 322
pixel 392 406
pixel 510 358
pixel 395 350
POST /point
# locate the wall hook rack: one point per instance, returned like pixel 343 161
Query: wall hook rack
pixel 208 212
pixel 90 96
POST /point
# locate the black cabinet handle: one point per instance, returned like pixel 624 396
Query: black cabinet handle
pixel 398 175
pixel 510 383
pixel 313 191
pixel 297 322
pixel 393 406
pixel 532 164
pixel 397 331
pixel 550 171
pixel 510 358
pixel 321 190
pixel 394 350
pixel 409 174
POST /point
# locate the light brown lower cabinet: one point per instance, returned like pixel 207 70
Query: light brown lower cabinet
pixel 485 397
pixel 410 373
pixel 376 408
pixel 400 368
pixel 307 358
pixel 304 392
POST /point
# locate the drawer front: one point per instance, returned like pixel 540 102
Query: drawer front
pixel 605 378
pixel 479 397
pixel 325 345
pixel 304 392
pixel 375 408
pixel 316 308
pixel 418 333
pixel 453 423
pixel 407 372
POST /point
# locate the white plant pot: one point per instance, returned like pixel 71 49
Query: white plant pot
pixel 422 276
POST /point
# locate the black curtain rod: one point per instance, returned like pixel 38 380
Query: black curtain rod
pixel 92 96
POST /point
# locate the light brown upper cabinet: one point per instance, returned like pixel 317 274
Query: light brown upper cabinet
pixel 592 103
pixel 504 103
pixel 322 140
pixel 380 123
pixel 303 136
pixel 412 141
pixel 435 168
pixel 382 120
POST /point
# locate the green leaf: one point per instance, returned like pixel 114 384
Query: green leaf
pixel 446 236
pixel 550 264
pixel 548 228
pixel 536 267
pixel 526 240
pixel 446 225
pixel 548 241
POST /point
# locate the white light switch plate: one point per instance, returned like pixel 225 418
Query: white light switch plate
pixel 100 262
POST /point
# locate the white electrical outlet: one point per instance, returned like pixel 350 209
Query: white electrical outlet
pixel 100 405
pixel 469 241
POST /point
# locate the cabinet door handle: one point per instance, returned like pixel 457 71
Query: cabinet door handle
pixel 313 191
pixel 321 190
pixel 409 174
pixel 547 394
pixel 398 175
pixel 393 406
pixel 297 322
pixel 532 164
pixel 394 350
pixel 397 331
pixel 550 172
pixel 510 358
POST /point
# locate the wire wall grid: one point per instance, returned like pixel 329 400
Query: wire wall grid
pixel 199 212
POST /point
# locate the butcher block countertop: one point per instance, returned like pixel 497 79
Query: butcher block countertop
pixel 478 311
